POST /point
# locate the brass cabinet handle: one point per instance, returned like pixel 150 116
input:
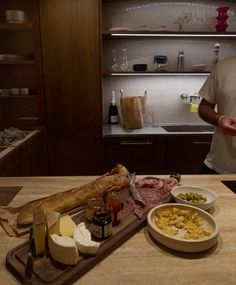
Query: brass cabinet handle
pixel 201 142
pixel 136 143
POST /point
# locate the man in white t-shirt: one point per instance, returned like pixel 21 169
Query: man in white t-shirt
pixel 219 91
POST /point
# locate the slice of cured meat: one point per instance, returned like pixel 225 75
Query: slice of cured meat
pixel 151 183
pixel 149 192
pixel 169 183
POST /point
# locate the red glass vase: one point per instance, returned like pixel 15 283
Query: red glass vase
pixel 222 18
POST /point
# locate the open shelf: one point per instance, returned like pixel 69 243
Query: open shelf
pixel 21 61
pixel 165 34
pixel 16 26
pixel 152 73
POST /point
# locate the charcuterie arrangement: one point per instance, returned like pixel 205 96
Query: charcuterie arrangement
pixel 77 228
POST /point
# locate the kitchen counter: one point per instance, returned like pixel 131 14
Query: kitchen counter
pixel 7 149
pixel 150 130
pixel 141 260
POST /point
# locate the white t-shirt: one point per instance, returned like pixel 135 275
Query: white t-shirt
pixel 220 89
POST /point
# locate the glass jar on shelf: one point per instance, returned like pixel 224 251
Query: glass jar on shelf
pixel 160 63
pixel 124 66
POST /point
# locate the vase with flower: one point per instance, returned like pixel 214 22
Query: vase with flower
pixel 222 18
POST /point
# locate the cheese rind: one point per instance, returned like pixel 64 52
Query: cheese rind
pixel 63 249
pixel 53 222
pixel 39 234
pixel 67 226
pixel 84 241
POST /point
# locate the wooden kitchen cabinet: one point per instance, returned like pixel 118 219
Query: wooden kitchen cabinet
pixel 26 157
pixel 21 102
pixel 33 155
pixel 70 33
pixel 10 165
pixel 74 155
pixel 71 60
pixel 186 153
pixel 140 155
pixel 159 154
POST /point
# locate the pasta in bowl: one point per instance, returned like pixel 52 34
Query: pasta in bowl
pixel 182 227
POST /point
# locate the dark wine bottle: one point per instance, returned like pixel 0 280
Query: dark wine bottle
pixel 113 110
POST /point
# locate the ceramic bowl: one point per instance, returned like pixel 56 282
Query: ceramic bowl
pixel 15 16
pixel 199 67
pixel 177 242
pixel 209 195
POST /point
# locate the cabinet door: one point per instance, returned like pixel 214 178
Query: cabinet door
pixel 10 165
pixel 71 59
pixel 71 155
pixel 140 155
pixel 33 156
pixel 185 154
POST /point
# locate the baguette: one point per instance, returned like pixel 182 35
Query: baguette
pixel 65 201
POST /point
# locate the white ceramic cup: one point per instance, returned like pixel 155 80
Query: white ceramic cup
pixel 24 91
pixel 15 16
pixel 15 91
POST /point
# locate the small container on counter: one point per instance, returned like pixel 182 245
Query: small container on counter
pixel 101 225
pixel 114 207
pixel 140 67
pixel 94 205
pixel 160 63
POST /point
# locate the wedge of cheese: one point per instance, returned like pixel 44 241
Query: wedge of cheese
pixel 53 222
pixel 39 233
pixel 63 249
pixel 83 240
pixel 67 226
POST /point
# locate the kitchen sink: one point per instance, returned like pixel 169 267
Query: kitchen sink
pixel 230 184
pixel 188 128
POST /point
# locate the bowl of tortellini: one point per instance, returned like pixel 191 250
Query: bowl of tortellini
pixel 182 227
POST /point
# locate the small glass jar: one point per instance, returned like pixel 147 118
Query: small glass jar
pixel 101 225
pixel 160 63
pixel 93 205
pixel 114 206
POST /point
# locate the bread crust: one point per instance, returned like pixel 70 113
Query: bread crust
pixel 67 200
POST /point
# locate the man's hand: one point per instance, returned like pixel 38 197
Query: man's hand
pixel 228 125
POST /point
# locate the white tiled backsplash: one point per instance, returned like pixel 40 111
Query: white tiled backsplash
pixel 164 104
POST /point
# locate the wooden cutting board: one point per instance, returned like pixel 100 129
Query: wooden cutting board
pixel 47 271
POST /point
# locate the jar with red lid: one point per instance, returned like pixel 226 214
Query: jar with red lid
pixel 114 207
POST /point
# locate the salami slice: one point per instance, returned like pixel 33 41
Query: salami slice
pixel 149 192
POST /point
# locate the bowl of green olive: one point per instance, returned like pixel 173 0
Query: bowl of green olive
pixel 196 196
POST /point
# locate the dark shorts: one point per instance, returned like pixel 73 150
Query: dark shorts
pixel 207 170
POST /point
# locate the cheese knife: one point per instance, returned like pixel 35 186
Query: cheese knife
pixel 29 263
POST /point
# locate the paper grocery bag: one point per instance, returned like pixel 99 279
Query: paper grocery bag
pixel 132 110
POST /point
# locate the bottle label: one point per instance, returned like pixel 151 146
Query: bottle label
pixel 97 231
pixel 114 119
pixel 107 230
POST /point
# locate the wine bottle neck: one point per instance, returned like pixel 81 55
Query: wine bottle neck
pixel 113 100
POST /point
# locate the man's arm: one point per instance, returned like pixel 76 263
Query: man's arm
pixel 207 113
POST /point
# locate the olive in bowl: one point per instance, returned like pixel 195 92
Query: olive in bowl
pixel 196 196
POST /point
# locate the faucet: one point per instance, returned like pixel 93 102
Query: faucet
pixel 190 97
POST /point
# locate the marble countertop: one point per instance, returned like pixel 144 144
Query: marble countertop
pixel 141 260
pixel 117 130
pixel 7 149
